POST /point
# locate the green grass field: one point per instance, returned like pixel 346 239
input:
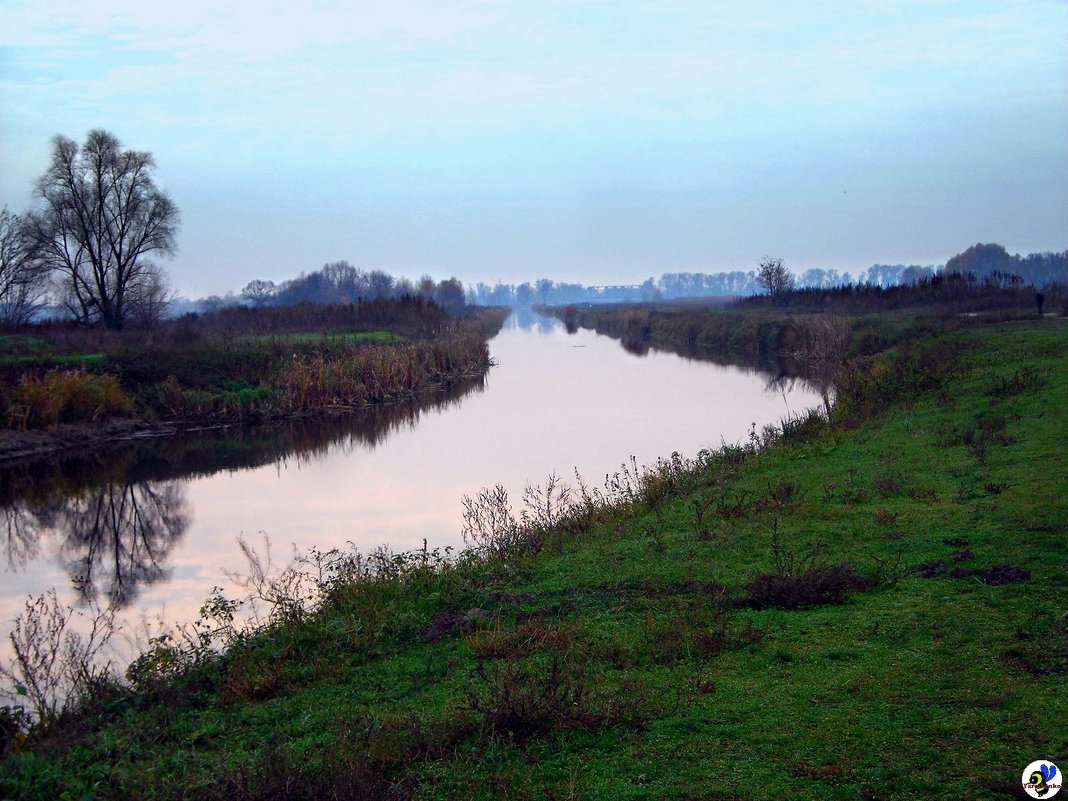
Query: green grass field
pixel 871 608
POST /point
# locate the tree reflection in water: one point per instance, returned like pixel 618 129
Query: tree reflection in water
pixel 22 535
pixel 114 538
pixel 118 538
pixel 118 513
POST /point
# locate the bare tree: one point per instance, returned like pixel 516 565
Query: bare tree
pixel 101 217
pixel 23 280
pixel 259 293
pixel 773 276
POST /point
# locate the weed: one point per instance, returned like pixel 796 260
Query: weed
pixel 803 578
pixel 527 699
pixel 687 633
pixel 807 770
pixel 1021 381
pixel 700 506
pixel 65 396
pixel 886 518
pixel 522 641
pixel 988 430
pixel 346 771
pixel 54 666
pixel 733 505
pixel 781 496
pixel 489 525
pixel 891 481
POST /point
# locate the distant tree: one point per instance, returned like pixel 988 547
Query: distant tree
pixel 425 287
pixel 341 282
pixel 258 293
pixel 101 218
pixel 212 303
pixel 381 284
pixel 814 277
pixel 23 278
pixel 524 294
pixel 501 295
pixel 914 274
pixel 649 290
pixel 450 294
pixel 544 287
pixel 1004 280
pixel 981 260
pixel 885 274
pixel 775 279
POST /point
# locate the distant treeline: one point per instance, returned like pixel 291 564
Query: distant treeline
pixel 948 292
pixel 985 262
pixel 340 282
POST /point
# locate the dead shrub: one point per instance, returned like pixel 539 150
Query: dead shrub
pixel 1021 381
pixel 522 641
pixel 886 518
pixel 66 396
pixel 802 578
pixel 891 481
pixel 342 772
pixel 697 633
pixel 55 664
pixel 528 699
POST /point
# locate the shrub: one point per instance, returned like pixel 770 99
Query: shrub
pixel 66 396
pixel 803 578
pixel 525 700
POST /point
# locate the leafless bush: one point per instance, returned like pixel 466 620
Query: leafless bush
pixel 288 591
pixel 525 700
pixel 55 664
pixel 546 507
pixel 490 527
pixel 488 522
pixel 803 577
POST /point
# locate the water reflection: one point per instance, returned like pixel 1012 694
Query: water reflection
pixel 116 515
pixel 154 522
pixel 114 538
pixel 525 318
pixel 783 374
pixel 118 538
pixel 23 530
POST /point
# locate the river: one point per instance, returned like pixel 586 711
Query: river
pixel 155 524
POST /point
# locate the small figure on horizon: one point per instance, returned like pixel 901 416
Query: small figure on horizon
pixel 1039 300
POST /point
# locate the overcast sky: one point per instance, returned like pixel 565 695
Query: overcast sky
pixel 587 141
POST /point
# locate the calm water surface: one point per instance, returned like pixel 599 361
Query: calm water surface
pixel 157 523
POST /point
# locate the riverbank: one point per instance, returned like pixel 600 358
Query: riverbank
pixel 66 389
pixel 863 606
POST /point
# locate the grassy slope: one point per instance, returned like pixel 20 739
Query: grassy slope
pixel 936 687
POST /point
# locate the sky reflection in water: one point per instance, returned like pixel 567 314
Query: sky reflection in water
pixel 159 530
